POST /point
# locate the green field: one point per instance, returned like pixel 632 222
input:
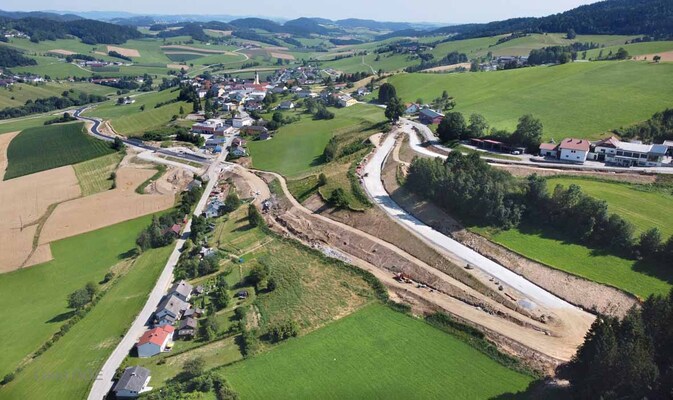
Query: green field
pixel 644 206
pixel 54 68
pixel 42 148
pixel 39 293
pixel 574 100
pixel 18 94
pixel 130 120
pixel 67 370
pixel 375 353
pixel 94 175
pixel 296 149
pixel 634 49
pixel 631 276
pixel 19 124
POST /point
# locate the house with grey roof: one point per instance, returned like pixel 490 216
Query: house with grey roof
pixel 132 383
pixel 182 290
pixel 187 328
pixel 171 306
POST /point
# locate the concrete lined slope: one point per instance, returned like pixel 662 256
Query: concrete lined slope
pixel 374 187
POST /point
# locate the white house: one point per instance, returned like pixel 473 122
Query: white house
pixel 132 383
pixel 614 151
pixel 286 105
pixel 346 101
pixel 574 150
pixel 155 341
pixel 241 120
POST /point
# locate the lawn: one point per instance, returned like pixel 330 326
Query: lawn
pixel 67 370
pixel 645 207
pixel 572 100
pixel 39 293
pixel 19 124
pixel 19 93
pixel 130 120
pixel 42 148
pixel 94 176
pixel 631 276
pixel 54 68
pixel 375 353
pixel 296 149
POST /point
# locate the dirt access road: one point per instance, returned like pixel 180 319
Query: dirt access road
pixel 547 343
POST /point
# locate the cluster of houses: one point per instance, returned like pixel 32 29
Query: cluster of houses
pixel 101 64
pixel 611 151
pixel 7 80
pixel 307 75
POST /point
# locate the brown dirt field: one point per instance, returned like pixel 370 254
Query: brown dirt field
pixel 62 52
pixel 282 56
pixel 124 51
pixel 36 192
pixel 41 254
pixel 176 47
pixel 521 171
pixel 177 66
pixel 665 56
pixel 4 143
pixel 185 52
pixel 107 208
pixel 445 68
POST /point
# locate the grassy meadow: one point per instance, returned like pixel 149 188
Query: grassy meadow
pixel 19 124
pixel 296 149
pixel 374 353
pixel 130 120
pixel 18 94
pixel 645 207
pixel 632 276
pixel 94 176
pixel 42 148
pixel 39 293
pixel 67 370
pixel 634 49
pixel 573 100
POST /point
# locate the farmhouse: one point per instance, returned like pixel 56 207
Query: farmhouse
pixel 428 116
pixel 346 101
pixel 182 290
pixel 171 307
pixel 286 105
pixel 187 328
pixel 574 150
pixel 133 382
pixel 614 151
pixel 155 341
pixel 412 109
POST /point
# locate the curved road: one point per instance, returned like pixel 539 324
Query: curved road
pixel 375 188
pixel 95 131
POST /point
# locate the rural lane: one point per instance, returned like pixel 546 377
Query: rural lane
pixel 374 186
pixel 103 383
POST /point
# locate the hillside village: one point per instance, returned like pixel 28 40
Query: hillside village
pixel 216 207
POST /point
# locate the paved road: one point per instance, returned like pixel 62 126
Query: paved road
pixel 103 382
pixel 376 190
pixel 526 159
pixel 95 131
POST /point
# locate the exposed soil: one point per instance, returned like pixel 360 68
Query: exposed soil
pixel 445 68
pixel 62 52
pixel 665 56
pixel 107 208
pixel 523 171
pixel 124 51
pixel 282 56
pixel 173 181
pixel 177 66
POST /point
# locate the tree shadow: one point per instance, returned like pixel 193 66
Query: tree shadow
pixel 128 254
pixel 244 228
pixel 537 390
pixel 62 317
pixel 317 161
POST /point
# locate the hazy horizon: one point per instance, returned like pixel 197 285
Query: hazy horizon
pixel 432 11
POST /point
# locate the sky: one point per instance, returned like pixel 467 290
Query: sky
pixel 444 11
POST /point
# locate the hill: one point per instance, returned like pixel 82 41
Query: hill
pixel 573 100
pixel 610 17
pixel 88 30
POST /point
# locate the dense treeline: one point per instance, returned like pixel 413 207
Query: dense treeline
pixel 478 193
pixel 564 54
pixel 192 29
pixel 89 31
pixel 178 133
pixel 628 359
pixel 613 17
pixel 116 54
pixel 13 58
pixel 158 233
pixel 467 186
pixel 450 59
pixel 654 130
pixel 66 100
pixel 84 57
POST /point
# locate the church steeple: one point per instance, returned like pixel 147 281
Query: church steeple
pixel 256 78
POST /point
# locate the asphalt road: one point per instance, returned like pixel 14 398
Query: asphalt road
pixel 375 188
pixel 95 131
pixel 103 382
